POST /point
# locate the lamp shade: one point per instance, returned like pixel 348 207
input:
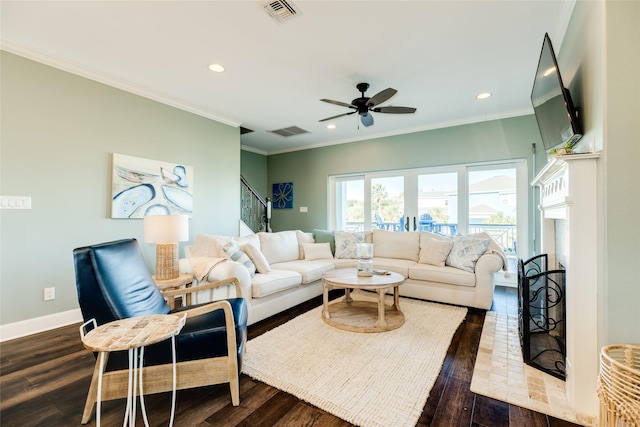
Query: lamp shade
pixel 166 228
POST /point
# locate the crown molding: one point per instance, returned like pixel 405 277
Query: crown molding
pixel 106 79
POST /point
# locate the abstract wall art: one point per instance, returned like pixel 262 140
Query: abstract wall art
pixel 142 187
pixel 282 195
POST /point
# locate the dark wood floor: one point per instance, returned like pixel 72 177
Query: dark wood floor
pixel 44 380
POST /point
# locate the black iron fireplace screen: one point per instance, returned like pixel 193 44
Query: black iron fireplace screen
pixel 541 315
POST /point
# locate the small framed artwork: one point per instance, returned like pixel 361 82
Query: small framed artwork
pixel 283 195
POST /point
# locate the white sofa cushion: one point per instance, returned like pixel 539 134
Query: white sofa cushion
pixel 448 275
pixel 434 249
pixel 313 251
pixel 345 262
pixel 389 244
pixel 346 244
pixel 309 270
pixel 275 281
pixel 400 266
pixel 279 247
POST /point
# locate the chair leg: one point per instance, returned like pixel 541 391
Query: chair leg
pixel 93 391
pixel 234 386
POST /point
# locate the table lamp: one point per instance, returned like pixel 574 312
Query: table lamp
pixel 166 231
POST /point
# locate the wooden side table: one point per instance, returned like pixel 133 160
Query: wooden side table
pixel 132 334
pixel 184 279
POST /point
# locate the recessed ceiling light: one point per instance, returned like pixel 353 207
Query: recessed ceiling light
pixel 483 95
pixel 217 68
pixel 331 126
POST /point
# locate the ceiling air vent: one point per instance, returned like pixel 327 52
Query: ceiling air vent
pixel 290 131
pixel 281 10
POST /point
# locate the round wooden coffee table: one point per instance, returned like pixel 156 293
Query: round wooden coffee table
pixel 362 316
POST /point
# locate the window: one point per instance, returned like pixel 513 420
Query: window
pixel 460 199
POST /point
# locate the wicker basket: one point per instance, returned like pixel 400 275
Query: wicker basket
pixel 619 386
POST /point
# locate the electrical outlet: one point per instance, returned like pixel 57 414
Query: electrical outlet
pixel 49 294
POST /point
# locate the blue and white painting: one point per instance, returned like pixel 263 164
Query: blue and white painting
pixel 150 187
pixel 282 195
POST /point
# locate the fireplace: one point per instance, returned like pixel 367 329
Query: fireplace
pixel 568 188
pixel 541 315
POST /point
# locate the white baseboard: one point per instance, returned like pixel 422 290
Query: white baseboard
pixel 39 324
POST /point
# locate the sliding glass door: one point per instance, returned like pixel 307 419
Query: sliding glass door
pixel 460 199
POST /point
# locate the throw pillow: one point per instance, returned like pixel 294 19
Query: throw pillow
pixel 302 239
pixel 325 236
pixel 466 251
pixel 236 254
pixel 434 249
pixel 346 244
pixel 256 255
pixel 251 239
pixel 313 251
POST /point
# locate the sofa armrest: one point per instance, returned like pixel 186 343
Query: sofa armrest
pixel 488 263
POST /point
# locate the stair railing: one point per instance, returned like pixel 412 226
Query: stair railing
pixel 255 210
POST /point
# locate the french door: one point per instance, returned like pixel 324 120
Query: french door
pixel 450 200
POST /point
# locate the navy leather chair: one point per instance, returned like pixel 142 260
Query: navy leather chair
pixel 113 283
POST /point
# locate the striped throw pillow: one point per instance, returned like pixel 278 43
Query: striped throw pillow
pixel 236 254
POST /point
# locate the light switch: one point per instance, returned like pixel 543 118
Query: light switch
pixel 304 209
pixel 15 202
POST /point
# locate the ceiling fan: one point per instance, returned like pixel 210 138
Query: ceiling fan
pixel 364 105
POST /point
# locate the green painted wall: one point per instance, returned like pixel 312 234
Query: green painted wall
pixel 622 172
pixel 254 169
pixel 58 132
pixel 309 169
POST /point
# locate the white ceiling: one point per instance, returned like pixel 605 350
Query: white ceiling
pixel 438 54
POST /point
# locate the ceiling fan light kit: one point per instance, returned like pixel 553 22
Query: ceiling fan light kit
pixel 365 105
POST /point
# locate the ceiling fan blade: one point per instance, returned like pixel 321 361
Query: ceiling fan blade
pixel 342 104
pixel 366 119
pixel 339 115
pixel 394 110
pixel 382 96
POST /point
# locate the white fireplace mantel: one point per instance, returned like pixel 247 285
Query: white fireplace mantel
pixel 568 192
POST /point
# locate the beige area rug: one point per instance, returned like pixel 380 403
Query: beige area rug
pixel 501 374
pixel 368 379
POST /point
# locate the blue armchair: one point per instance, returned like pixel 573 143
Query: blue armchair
pixel 113 283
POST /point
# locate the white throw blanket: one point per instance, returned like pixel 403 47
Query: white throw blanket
pixel 202 266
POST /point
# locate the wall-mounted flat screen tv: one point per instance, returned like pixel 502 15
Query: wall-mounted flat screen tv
pixel 554 110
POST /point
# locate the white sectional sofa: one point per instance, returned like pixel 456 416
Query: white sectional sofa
pixel 289 265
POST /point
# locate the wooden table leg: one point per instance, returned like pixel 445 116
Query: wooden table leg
pixel 347 295
pixel 396 298
pixel 325 300
pixel 171 301
pixel 188 295
pixel 381 322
